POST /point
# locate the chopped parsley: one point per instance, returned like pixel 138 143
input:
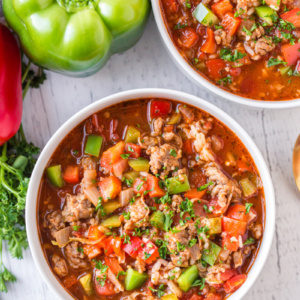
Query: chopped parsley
pixel 200 283
pixel 100 207
pixel 80 249
pixel 168 221
pixel 274 62
pixel 173 152
pixel 192 242
pixel 125 156
pixel 180 26
pixel 226 54
pixel 120 273
pixel 248 32
pixel 162 250
pixel 248 206
pixel 225 80
pixel 249 241
pixel 159 292
pixel 76 227
pixel 180 247
pixel 205 186
pixel 126 215
pixel 188 4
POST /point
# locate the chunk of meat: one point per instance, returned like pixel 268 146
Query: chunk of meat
pixel 146 142
pixel 77 207
pixel 173 138
pixel 257 231
pixel 214 273
pixel 165 159
pixel 176 201
pixel 139 215
pixel 224 188
pixel 246 26
pixel 274 4
pixel 264 45
pixel 75 256
pixel 246 7
pixel 222 37
pixel 237 259
pixel 157 125
pixel 59 265
pixel 187 113
pixel 55 222
pixel 88 163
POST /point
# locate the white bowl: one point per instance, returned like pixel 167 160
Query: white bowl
pixel 188 70
pixel 32 195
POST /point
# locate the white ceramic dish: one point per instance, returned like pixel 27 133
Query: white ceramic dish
pixel 32 196
pixel 188 70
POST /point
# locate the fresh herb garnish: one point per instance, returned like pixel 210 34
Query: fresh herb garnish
pixel 274 62
pixel 248 206
pixel 249 241
pixel 205 186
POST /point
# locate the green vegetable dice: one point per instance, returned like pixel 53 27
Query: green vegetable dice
pixel 93 145
pixel 157 219
pixel 175 186
pixel 140 164
pixel 210 255
pixel 132 135
pixel 134 279
pixel 187 278
pixel 205 16
pixel 86 283
pixel 113 221
pixel 55 176
pixel 266 13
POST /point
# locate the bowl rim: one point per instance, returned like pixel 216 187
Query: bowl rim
pixel 190 72
pixel 33 190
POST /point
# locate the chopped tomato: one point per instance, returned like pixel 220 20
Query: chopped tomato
pixel 209 45
pixel 149 253
pixel 69 281
pixel 194 193
pixel 197 178
pixel 243 166
pixel 110 187
pixel 200 55
pixel 113 264
pixel 134 247
pixel 230 23
pixel 188 147
pixel 235 72
pixel 216 68
pixel 107 245
pixel 120 167
pixel 153 187
pixel 188 37
pixel 94 233
pixel 140 186
pixel 227 274
pixel 199 209
pixel 133 149
pixel 91 251
pixel 234 283
pixel 107 289
pixel 237 212
pixel 292 16
pixel 212 296
pixel 233 227
pixel 159 108
pixel 117 244
pixel 228 243
pixel 112 155
pixel 221 8
pixel 291 53
pixel 196 297
pixel 71 175
pixel 171 6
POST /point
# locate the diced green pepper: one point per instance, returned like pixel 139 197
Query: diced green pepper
pixel 132 135
pixel 169 297
pixel 175 118
pixel 187 278
pixel 210 255
pixel 20 163
pixel 93 145
pixel 248 187
pixel 134 279
pixel 266 13
pixel 113 221
pixel 215 225
pixel 111 206
pixel 86 283
pixel 140 164
pixel 283 70
pixel 205 16
pixel 157 219
pixel 55 176
pixel 175 186
pixel 132 175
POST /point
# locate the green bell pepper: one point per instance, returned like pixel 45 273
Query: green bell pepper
pixel 187 278
pixel 55 176
pixel 157 219
pixel 140 165
pixel 175 186
pixel 93 145
pixel 210 255
pixel 134 279
pixel 76 37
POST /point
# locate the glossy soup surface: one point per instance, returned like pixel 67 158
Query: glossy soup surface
pixel 199 207
pixel 250 48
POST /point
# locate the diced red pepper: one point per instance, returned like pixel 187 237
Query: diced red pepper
pixel 196 297
pixel 134 247
pixel 221 8
pixel 243 166
pixel 149 253
pixel 71 175
pixel 230 23
pixel 233 227
pixel 188 37
pixel 291 53
pixel 188 147
pixel 292 16
pixel 119 167
pixel 133 149
pixel 212 296
pixel 197 178
pixel 241 62
pixel 140 186
pixel 216 68
pixel 234 283
pixel 227 274
pixel 69 281
pixel 237 212
pixel 194 193
pixel 112 155
pixel 113 264
pixel 209 45
pixel 153 187
pixel 107 289
pixel 110 187
pixel 227 243
pixel 91 251
pixel 171 6
pixel 94 233
pixel 159 108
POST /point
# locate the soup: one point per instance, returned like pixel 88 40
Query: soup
pixel 151 199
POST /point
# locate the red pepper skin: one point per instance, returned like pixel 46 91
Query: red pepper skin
pixel 10 85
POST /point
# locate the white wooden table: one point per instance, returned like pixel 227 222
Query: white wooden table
pixel 149 65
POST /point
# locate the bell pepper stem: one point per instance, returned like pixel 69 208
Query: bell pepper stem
pixel 26 72
pixel 26 88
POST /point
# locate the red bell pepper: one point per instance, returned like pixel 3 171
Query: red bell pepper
pixel 133 150
pixel 140 186
pixel 234 283
pixel 153 187
pixel 209 45
pixel 291 53
pixel 233 227
pixel 188 37
pixel 292 16
pixel 71 174
pixel 221 8
pixel 216 68
pixel 107 289
pixel 110 187
pixel 159 108
pixel 149 253
pixel 133 247
pixel 10 85
pixel 228 243
pixel 230 23
pixel 237 212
